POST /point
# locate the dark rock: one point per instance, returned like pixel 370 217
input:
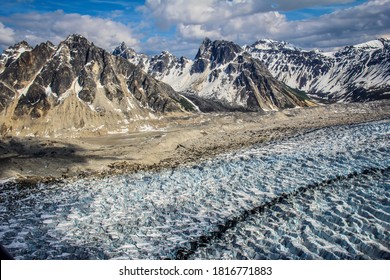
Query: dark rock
pixel 6 96
pixel 214 53
pixel 46 73
pixel 342 76
pixel 19 73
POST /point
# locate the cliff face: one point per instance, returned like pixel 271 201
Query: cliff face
pixel 229 76
pixel 222 74
pixel 352 74
pixel 77 85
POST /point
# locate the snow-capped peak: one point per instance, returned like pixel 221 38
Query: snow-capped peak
pixel 352 73
pixel 269 44
pixel 75 37
pixel 124 51
pixel 374 44
pixel 12 53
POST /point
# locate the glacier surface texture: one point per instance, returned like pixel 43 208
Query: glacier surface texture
pixel 321 195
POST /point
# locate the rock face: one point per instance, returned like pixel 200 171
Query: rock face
pixel 223 74
pixel 130 54
pixel 77 85
pixel 352 74
pixel 12 53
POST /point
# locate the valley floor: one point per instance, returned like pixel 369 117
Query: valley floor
pixel 183 140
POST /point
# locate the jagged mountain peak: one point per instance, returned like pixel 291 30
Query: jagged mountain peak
pixel 204 46
pixel 166 54
pixel 373 44
pixel 76 38
pixel 131 55
pixel 83 82
pixel 124 51
pixel 353 73
pixel 214 53
pixel 221 69
pixel 217 50
pixel 12 53
pixel 76 41
pixel 123 46
pixel 270 44
pixel 226 75
pixel 21 45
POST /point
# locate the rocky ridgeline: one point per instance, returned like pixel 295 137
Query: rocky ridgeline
pixel 352 74
pixel 221 77
pixel 78 82
pixel 75 86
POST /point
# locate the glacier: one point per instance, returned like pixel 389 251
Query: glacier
pixel 323 194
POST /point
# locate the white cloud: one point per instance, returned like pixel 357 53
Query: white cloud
pixel 288 5
pixel 7 36
pixel 188 12
pixel 245 21
pixel 242 21
pixel 168 12
pixel 56 26
pixel 195 32
pixel 177 46
pixel 354 25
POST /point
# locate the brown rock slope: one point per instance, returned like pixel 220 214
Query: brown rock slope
pixel 77 87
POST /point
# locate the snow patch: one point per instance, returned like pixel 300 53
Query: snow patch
pixel 148 127
pixel 374 44
pixel 119 131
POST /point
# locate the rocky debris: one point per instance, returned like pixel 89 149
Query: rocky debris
pixel 190 140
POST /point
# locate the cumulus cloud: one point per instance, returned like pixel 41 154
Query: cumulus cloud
pixel 245 21
pixel 288 5
pixel 168 12
pixel 177 46
pixel 197 31
pixel 354 25
pixel 56 26
pixel 187 12
pixel 241 21
pixel 7 36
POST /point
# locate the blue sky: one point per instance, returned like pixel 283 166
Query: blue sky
pixel 180 25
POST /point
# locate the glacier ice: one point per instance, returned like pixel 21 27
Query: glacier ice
pixel 324 194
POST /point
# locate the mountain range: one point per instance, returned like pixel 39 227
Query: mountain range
pixel 352 74
pixel 76 86
pixel 223 73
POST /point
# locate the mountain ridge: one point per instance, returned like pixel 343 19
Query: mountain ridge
pixel 120 92
pixel 93 88
pixel 222 72
pixel 354 73
pixel 326 76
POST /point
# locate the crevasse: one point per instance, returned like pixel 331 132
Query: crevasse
pixel 323 194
